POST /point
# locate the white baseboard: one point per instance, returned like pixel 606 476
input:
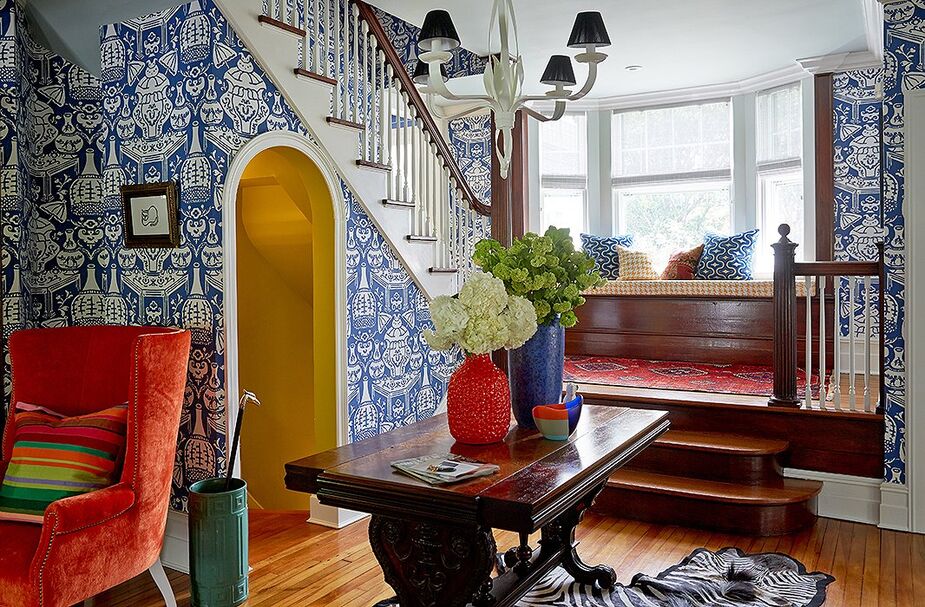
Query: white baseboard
pixel 894 507
pixel 848 498
pixel 329 516
pixel 175 551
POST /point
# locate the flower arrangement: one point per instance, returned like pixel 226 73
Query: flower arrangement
pixel 546 270
pixel 482 318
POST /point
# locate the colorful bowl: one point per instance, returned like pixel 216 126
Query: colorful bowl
pixel 557 422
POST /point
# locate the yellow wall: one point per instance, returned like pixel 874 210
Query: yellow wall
pixel 285 282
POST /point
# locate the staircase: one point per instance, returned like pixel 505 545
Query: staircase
pixel 336 67
pixel 719 481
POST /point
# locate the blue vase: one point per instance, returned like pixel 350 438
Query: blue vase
pixel 535 371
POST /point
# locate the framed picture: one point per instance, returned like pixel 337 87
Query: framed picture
pixel 150 213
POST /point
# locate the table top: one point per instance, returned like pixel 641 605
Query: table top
pixel 538 479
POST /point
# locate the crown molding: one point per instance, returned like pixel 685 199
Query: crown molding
pixel 841 62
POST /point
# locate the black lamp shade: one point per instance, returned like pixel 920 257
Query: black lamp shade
pixel 559 71
pixel 438 26
pixel 422 71
pixel 588 29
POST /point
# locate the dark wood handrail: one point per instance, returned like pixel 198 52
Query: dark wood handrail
pixel 836 268
pixel 368 15
pixel 786 269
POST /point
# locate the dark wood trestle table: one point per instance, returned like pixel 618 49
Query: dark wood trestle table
pixel 435 543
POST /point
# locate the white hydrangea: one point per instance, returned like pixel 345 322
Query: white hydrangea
pixel 483 295
pixel 520 317
pixel 482 319
pixel 484 334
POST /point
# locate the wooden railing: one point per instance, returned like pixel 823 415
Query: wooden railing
pixel 345 46
pixel 823 307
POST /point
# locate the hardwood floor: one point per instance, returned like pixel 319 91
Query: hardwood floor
pixel 299 564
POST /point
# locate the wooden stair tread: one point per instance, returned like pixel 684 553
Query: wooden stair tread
pixel 789 491
pixel 730 444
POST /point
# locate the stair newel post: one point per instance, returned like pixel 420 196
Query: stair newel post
pixel 785 322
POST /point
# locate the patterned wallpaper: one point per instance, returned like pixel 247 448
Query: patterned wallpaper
pixel 856 119
pixel 404 37
pixel 11 198
pixel 179 96
pixel 904 67
pixel 470 140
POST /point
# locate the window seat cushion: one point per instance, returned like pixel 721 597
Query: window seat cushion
pixel 691 288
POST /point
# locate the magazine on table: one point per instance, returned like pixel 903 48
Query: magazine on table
pixel 444 468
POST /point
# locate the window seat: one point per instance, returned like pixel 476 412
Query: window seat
pixel 692 288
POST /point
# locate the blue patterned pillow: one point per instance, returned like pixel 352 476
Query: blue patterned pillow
pixel 727 257
pixel 603 250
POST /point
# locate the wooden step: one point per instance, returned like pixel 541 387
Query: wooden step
pixel 404 204
pixel 345 123
pixel 369 164
pixel 443 270
pixel 420 238
pixel 282 25
pixel 714 456
pixel 765 509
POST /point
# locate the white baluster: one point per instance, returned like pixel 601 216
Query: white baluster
pixel 382 94
pixel 823 388
pixel 447 207
pixel 367 114
pixel 336 43
pixel 325 38
pixel 405 147
pixel 356 64
pixel 414 175
pixel 868 405
pixel 278 15
pixel 452 220
pixel 852 330
pixel 388 132
pixel 836 364
pixel 375 127
pixel 808 368
pixel 344 61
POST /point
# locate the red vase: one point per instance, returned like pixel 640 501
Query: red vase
pixel 478 402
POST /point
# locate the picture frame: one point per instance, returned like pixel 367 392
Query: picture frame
pixel 150 214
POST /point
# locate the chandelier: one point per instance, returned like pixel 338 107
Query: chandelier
pixel 504 73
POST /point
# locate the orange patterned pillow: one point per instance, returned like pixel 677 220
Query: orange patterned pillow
pixel 635 265
pixel 683 264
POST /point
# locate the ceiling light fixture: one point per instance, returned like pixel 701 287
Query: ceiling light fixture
pixel 504 73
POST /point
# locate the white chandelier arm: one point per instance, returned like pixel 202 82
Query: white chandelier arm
pixel 438 86
pixel 589 83
pixel 557 113
pixel 440 113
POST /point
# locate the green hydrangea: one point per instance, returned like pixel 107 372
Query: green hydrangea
pixel 546 270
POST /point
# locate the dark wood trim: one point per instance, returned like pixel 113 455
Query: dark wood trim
pixel 346 123
pixel 516 184
pixel 300 71
pixel 436 134
pixel 825 168
pixel 836 268
pixel 369 164
pixel 443 270
pixel 281 25
pixel 398 203
pixel 421 238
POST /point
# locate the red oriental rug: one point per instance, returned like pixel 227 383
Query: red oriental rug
pixel 753 380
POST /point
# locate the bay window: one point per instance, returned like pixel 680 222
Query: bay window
pixel 671 175
pixel 563 164
pixel 779 192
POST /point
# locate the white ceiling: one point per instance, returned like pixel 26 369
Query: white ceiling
pixel 679 43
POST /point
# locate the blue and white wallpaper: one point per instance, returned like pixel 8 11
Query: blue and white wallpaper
pixel 858 228
pixel 470 141
pixel 404 37
pixel 179 96
pixel 904 69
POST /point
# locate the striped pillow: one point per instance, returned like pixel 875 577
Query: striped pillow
pixel 56 457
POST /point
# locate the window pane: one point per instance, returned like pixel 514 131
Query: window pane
pixel 563 208
pixel 671 140
pixel 563 146
pixel 780 124
pixel 663 219
pixel 780 201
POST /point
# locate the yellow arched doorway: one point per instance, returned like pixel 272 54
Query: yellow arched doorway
pixel 285 291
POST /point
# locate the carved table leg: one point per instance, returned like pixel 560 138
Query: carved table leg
pixel 434 564
pixel 561 532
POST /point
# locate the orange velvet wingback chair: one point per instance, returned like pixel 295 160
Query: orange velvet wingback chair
pixel 91 542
